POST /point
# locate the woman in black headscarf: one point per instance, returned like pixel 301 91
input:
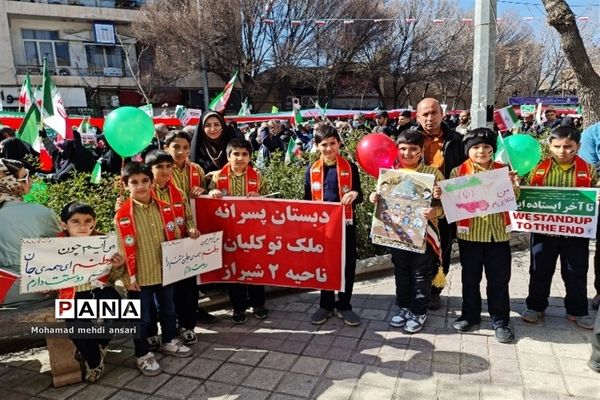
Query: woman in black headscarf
pixel 210 142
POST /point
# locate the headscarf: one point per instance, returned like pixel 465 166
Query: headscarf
pixel 9 186
pixel 14 149
pixel 210 153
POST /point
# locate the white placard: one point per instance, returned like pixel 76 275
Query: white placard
pixel 57 263
pixel 184 258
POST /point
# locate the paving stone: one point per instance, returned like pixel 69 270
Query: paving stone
pixel 310 365
pixel 212 390
pixel 297 384
pixel 231 373
pixel 178 387
pixel 333 389
pixel 172 365
pixel 338 353
pixel 543 381
pixel 276 360
pixel 6 394
pixel 217 352
pixel 343 370
pixel 293 346
pixel 264 378
pixel 25 381
pixel 96 392
pixel 281 396
pixel 582 386
pixel 532 394
pixel 379 376
pixel 538 362
pixel 201 368
pixel 247 357
pixel 62 392
pixel 453 391
pixel 501 393
pixel 148 384
pixel 128 395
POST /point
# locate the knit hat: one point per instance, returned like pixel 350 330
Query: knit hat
pixel 479 136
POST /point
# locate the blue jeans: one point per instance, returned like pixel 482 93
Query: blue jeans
pixel 166 310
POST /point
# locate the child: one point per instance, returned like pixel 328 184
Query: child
pixel 143 222
pixel 333 178
pixel 189 177
pixel 79 220
pixel 413 271
pixel 238 178
pixel 563 169
pixel 483 243
pixel 186 291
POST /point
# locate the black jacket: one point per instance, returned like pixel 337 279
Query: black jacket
pixel 454 152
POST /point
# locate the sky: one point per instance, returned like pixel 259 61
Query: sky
pixel 535 8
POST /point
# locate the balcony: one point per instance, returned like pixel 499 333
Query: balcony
pixel 75 71
pixel 80 77
pixel 126 4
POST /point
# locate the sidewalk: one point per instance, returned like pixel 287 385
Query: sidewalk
pixel 285 357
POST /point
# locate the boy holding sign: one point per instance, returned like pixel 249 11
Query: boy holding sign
pixel 238 178
pixel 562 169
pixel 412 270
pixel 79 220
pixel 164 188
pixel 483 243
pixel 143 222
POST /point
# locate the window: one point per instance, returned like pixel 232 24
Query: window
pixel 40 44
pixel 99 58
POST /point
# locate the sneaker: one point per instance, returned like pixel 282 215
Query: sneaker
pixel 188 336
pixel 462 325
pixel 148 366
pixel 204 317
pixel 93 374
pixel 350 318
pixel 320 316
pixel 582 321
pixel 399 320
pixel 176 349
pixel 595 303
pixel 239 318
pixel 532 316
pixel 414 322
pixel 260 313
pixel 503 334
pixel 153 343
pixel 435 302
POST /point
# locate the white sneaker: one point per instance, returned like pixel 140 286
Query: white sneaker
pixel 148 365
pixel 176 349
pixel 399 320
pixel 414 322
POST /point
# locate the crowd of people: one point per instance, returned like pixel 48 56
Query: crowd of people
pixel 214 160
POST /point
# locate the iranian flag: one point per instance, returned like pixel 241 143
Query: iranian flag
pixel 505 118
pixel 220 102
pixel 293 152
pixel 53 109
pixel 25 95
pixel 28 131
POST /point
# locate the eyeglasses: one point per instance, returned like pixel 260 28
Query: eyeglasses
pixel 25 178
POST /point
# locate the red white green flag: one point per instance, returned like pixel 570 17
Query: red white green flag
pixel 26 94
pixel 53 109
pixel 505 118
pixel 220 102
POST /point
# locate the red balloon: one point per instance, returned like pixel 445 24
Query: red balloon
pixel 375 151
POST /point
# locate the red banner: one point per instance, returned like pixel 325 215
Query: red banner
pixel 7 279
pixel 297 244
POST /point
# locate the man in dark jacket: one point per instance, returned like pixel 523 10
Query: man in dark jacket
pixel 443 149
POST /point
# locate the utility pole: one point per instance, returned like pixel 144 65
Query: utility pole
pixel 484 64
pixel 203 65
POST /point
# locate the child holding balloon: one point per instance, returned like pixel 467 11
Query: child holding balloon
pixel 333 178
pixel 412 270
pixel 562 169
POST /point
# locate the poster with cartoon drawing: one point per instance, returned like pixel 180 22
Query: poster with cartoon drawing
pixel 397 220
pixel 478 195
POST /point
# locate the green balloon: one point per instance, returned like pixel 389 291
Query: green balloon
pixel 524 152
pixel 128 130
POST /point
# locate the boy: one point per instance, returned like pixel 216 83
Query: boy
pixel 186 291
pixel 333 178
pixel 238 178
pixel 189 177
pixel 143 222
pixel 562 169
pixel 79 220
pixel 413 271
pixel 483 243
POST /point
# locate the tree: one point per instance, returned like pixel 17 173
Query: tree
pixel 561 18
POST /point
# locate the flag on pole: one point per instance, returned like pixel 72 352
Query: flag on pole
pixel 29 129
pixel 53 109
pixel 84 126
pixel 97 172
pixel 505 118
pixel 274 110
pixel 148 109
pixel 538 114
pixel 7 279
pixel 298 117
pixel 293 152
pixel 220 102
pixel 25 95
pixel 245 108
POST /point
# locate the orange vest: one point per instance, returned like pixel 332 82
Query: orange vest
pixel 178 206
pixel 224 183
pixel 194 174
pixel 344 175
pixel 466 168
pixel 582 173
pixel 126 227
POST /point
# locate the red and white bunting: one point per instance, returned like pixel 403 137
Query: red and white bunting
pixel 296 22
pixel 320 22
pixel 268 21
pixel 583 19
pixel 439 21
pixel 467 21
pixel 410 20
pixel 348 21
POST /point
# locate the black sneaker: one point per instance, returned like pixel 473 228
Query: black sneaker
pixel 239 318
pixel 462 325
pixel 504 334
pixel 260 313
pixel 204 317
